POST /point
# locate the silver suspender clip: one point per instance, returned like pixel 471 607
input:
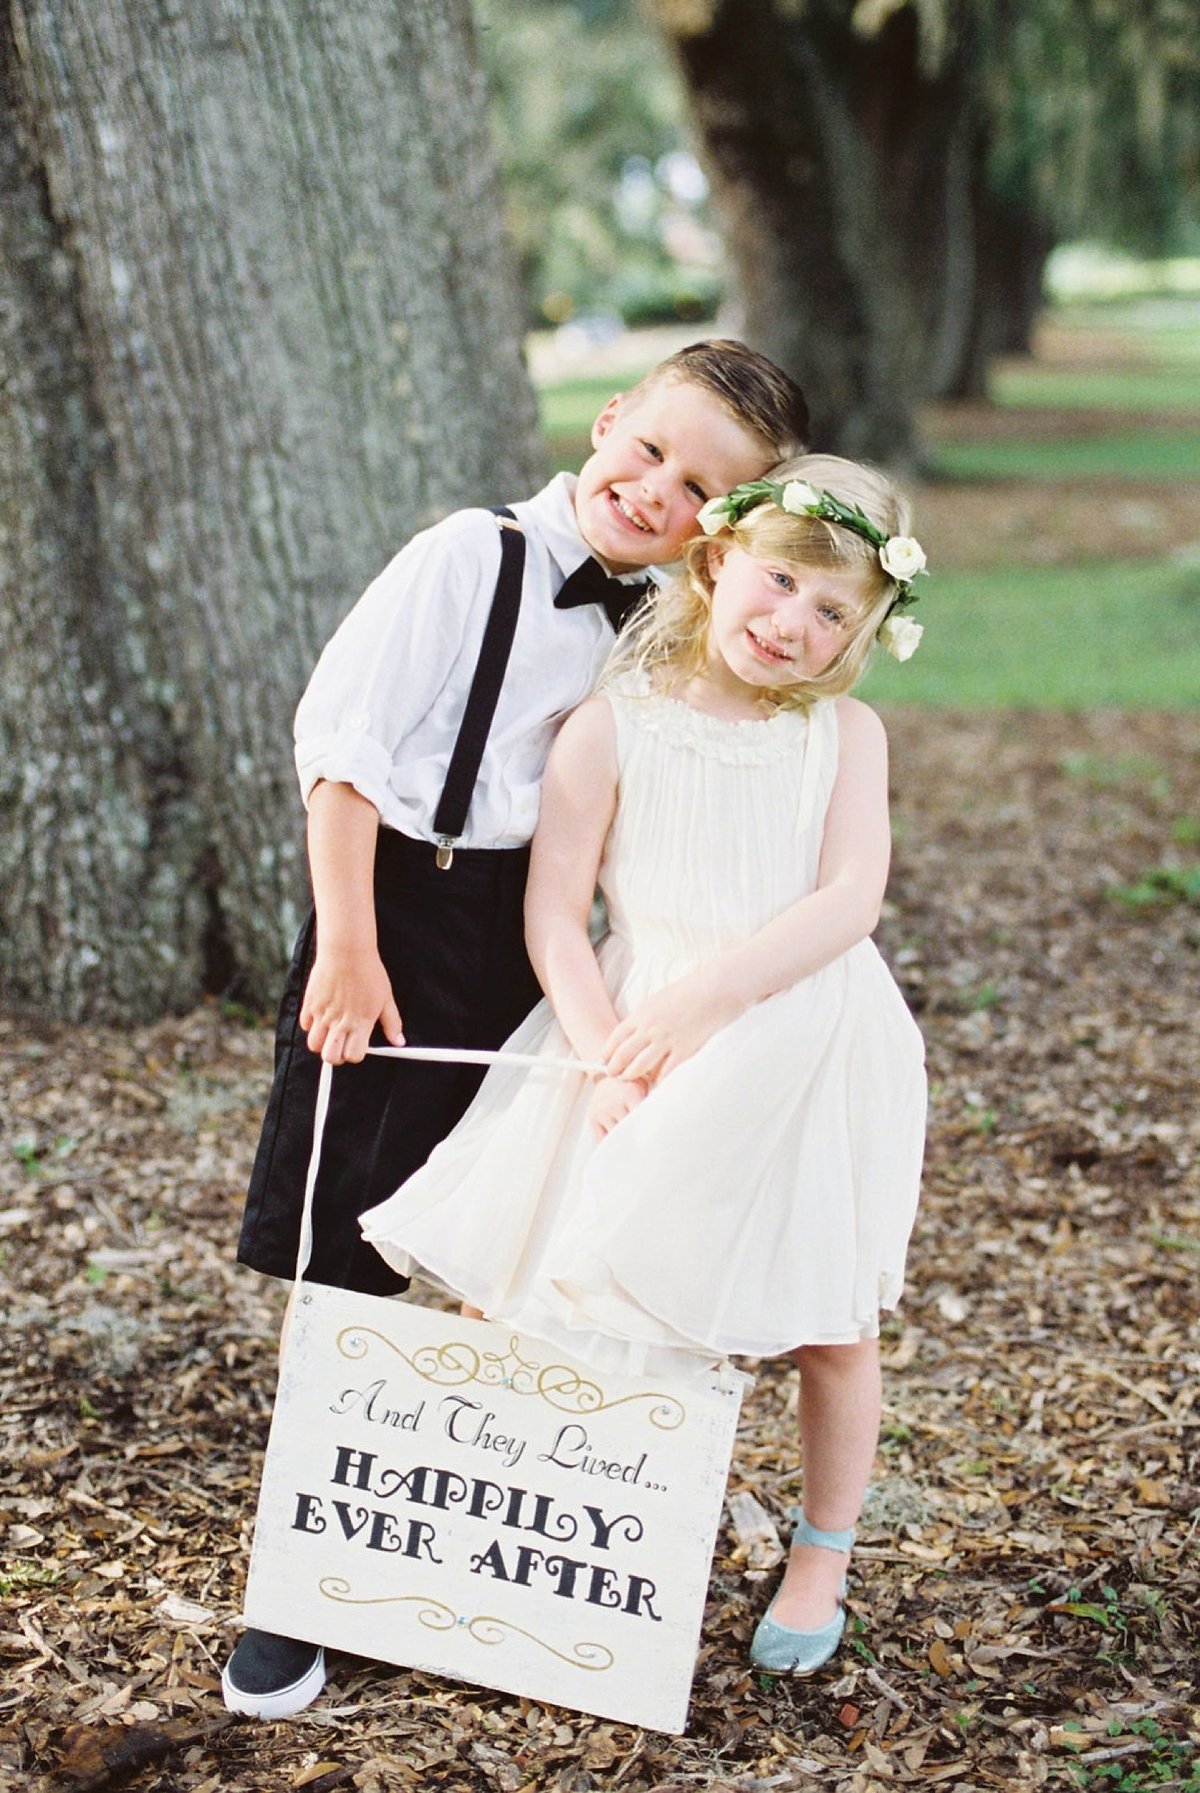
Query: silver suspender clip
pixel 444 857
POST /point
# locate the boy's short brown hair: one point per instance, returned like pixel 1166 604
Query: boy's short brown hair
pixel 752 389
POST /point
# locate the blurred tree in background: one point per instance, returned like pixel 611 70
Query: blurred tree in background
pixel 1093 112
pixel 890 175
pixel 605 201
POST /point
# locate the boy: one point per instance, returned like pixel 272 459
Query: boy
pixel 420 745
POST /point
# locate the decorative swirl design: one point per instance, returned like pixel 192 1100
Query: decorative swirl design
pixel 484 1627
pixel 561 1387
pixel 435 1616
pixel 573 1393
pixel 583 1655
pixel 448 1365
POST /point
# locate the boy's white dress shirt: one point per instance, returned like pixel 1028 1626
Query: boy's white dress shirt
pixel 383 707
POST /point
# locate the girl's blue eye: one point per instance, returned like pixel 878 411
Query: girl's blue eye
pixel 784 581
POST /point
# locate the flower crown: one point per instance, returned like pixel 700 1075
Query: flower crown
pixel 901 556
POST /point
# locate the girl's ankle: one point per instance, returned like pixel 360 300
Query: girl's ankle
pixel 811 1590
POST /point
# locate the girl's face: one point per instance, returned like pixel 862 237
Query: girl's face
pixel 774 623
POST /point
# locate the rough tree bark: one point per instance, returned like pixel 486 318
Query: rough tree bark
pixel 847 173
pixel 257 325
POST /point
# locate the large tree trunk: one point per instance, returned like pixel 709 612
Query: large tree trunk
pixel 1011 246
pixel 258 325
pixel 842 168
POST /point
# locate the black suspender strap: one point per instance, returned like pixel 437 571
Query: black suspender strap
pixel 480 708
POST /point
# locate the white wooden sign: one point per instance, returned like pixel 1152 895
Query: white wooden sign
pixel 441 1493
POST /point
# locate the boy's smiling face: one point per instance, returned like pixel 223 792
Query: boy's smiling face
pixel 658 456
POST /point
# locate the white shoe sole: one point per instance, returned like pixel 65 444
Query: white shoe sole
pixel 284 1702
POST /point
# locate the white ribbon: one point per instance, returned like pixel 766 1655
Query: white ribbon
pixel 455 1055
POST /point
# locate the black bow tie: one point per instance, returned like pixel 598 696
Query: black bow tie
pixel 590 584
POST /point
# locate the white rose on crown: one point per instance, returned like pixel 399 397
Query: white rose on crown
pixel 799 497
pixel 902 557
pixel 900 636
pixel 713 515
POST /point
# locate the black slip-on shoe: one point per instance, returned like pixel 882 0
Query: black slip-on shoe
pixel 272 1677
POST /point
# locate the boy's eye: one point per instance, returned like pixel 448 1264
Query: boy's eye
pixel 652 450
pixel 697 492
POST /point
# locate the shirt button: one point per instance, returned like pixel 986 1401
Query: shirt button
pixel 360 722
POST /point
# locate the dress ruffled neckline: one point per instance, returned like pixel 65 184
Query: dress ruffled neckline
pixel 745 741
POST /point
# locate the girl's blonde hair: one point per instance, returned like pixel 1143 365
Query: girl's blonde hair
pixel 668 636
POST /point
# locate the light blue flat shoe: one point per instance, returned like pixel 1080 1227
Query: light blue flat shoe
pixel 777 1647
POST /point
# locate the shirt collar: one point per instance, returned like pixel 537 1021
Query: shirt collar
pixel 552 511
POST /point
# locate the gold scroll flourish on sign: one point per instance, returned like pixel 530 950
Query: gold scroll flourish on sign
pixel 485 1629
pixel 434 1615
pixel 589 1656
pixel 457 1362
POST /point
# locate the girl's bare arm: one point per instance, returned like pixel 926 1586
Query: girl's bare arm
pixel 579 796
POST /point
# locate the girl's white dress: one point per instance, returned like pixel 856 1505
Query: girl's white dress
pixel 761 1197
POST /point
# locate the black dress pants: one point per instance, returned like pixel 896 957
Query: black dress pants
pixel 453 945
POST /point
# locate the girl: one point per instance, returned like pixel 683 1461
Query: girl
pixel 743 1175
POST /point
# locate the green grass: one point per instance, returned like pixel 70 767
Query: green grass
pixel 1100 454
pixel 1122 636
pixel 568 410
pixel 1159 326
pixel 1163 388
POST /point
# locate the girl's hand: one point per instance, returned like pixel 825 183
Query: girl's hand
pixel 347 993
pixel 611 1100
pixel 670 1026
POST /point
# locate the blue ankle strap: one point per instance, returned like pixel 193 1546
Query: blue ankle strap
pixel 804 1533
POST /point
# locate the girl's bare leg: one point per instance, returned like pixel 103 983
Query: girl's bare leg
pixel 840 1398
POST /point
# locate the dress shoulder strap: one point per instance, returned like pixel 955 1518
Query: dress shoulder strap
pixel 820 761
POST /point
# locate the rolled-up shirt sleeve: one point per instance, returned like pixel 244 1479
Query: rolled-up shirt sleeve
pixel 394 654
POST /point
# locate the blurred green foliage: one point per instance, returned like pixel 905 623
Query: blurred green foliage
pixel 1093 112
pixel 606 207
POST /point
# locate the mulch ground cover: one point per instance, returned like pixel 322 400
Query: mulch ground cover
pixel 1025 1597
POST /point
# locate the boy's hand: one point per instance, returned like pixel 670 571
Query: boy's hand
pixel 670 1026
pixel 611 1100
pixel 347 993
